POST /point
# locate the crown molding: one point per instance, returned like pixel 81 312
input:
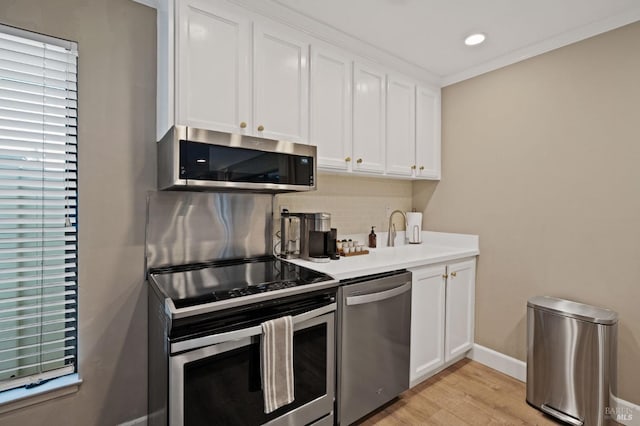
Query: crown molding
pixel 320 30
pixel 561 40
pixel 323 31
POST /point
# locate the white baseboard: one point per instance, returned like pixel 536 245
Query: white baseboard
pixel 498 361
pixel 140 421
pixel 624 412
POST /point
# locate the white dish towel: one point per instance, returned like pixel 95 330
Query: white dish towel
pixel 276 360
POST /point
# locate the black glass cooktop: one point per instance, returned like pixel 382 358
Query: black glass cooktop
pixel 195 284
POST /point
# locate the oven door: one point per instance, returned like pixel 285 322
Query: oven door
pixel 221 383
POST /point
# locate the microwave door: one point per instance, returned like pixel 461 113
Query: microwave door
pixel 207 160
pixel 257 168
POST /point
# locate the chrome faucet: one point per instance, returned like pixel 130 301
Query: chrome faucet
pixel 391 236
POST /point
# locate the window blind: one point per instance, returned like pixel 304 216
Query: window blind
pixel 38 208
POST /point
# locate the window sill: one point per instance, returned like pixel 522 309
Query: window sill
pixel 15 399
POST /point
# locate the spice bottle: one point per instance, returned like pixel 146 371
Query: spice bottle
pixel 372 238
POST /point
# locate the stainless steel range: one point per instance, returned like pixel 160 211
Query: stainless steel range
pixel 205 315
pixel 204 287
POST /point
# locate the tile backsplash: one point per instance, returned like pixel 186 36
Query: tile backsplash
pixel 355 203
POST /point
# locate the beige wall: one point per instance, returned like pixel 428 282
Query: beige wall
pixel 542 160
pixel 116 166
pixel 355 203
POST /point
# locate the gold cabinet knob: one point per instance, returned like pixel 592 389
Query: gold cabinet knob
pixel 421 167
pixel 413 167
pixel 445 276
pixel 453 274
pixel 359 161
pixel 347 159
pixel 260 128
pixel 243 125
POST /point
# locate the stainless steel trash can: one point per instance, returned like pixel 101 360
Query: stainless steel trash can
pixel 571 359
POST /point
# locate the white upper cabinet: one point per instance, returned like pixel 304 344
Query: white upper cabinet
pixel 330 101
pixel 427 133
pixel 224 84
pixel 401 126
pixel 368 119
pixel 213 74
pixel 281 92
pixel 224 67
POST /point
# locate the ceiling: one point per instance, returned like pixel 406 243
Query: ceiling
pixel 430 33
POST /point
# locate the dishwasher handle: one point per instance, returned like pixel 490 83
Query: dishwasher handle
pixel 376 297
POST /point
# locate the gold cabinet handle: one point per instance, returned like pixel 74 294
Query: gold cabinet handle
pixel 359 161
pixel 347 159
pixel 243 125
pixel 260 128
pixel 453 274
pixel 445 276
pixel 421 167
pixel 413 167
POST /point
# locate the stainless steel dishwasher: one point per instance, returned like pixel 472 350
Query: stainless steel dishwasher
pixel 374 320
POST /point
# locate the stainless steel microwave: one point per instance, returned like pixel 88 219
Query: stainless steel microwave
pixel 205 160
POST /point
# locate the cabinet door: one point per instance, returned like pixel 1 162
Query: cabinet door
pixel 281 85
pixel 427 321
pixel 368 119
pixel 459 333
pixel 213 74
pixel 330 123
pixel 427 133
pixel 401 126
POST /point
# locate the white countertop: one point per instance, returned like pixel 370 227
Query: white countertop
pixel 436 247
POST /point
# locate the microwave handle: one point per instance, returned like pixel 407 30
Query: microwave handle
pixel 234 335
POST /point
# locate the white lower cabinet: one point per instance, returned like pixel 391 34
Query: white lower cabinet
pixel 427 320
pixel 442 316
pixel 460 304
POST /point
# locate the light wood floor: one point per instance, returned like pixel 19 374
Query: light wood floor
pixel 467 393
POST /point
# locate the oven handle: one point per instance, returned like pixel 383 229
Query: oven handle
pixel 243 333
pixel 376 297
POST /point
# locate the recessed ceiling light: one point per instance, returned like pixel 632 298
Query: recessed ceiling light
pixel 474 39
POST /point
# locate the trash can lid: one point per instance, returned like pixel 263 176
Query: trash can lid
pixel 572 309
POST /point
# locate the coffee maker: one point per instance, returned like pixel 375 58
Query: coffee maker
pixel 309 236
